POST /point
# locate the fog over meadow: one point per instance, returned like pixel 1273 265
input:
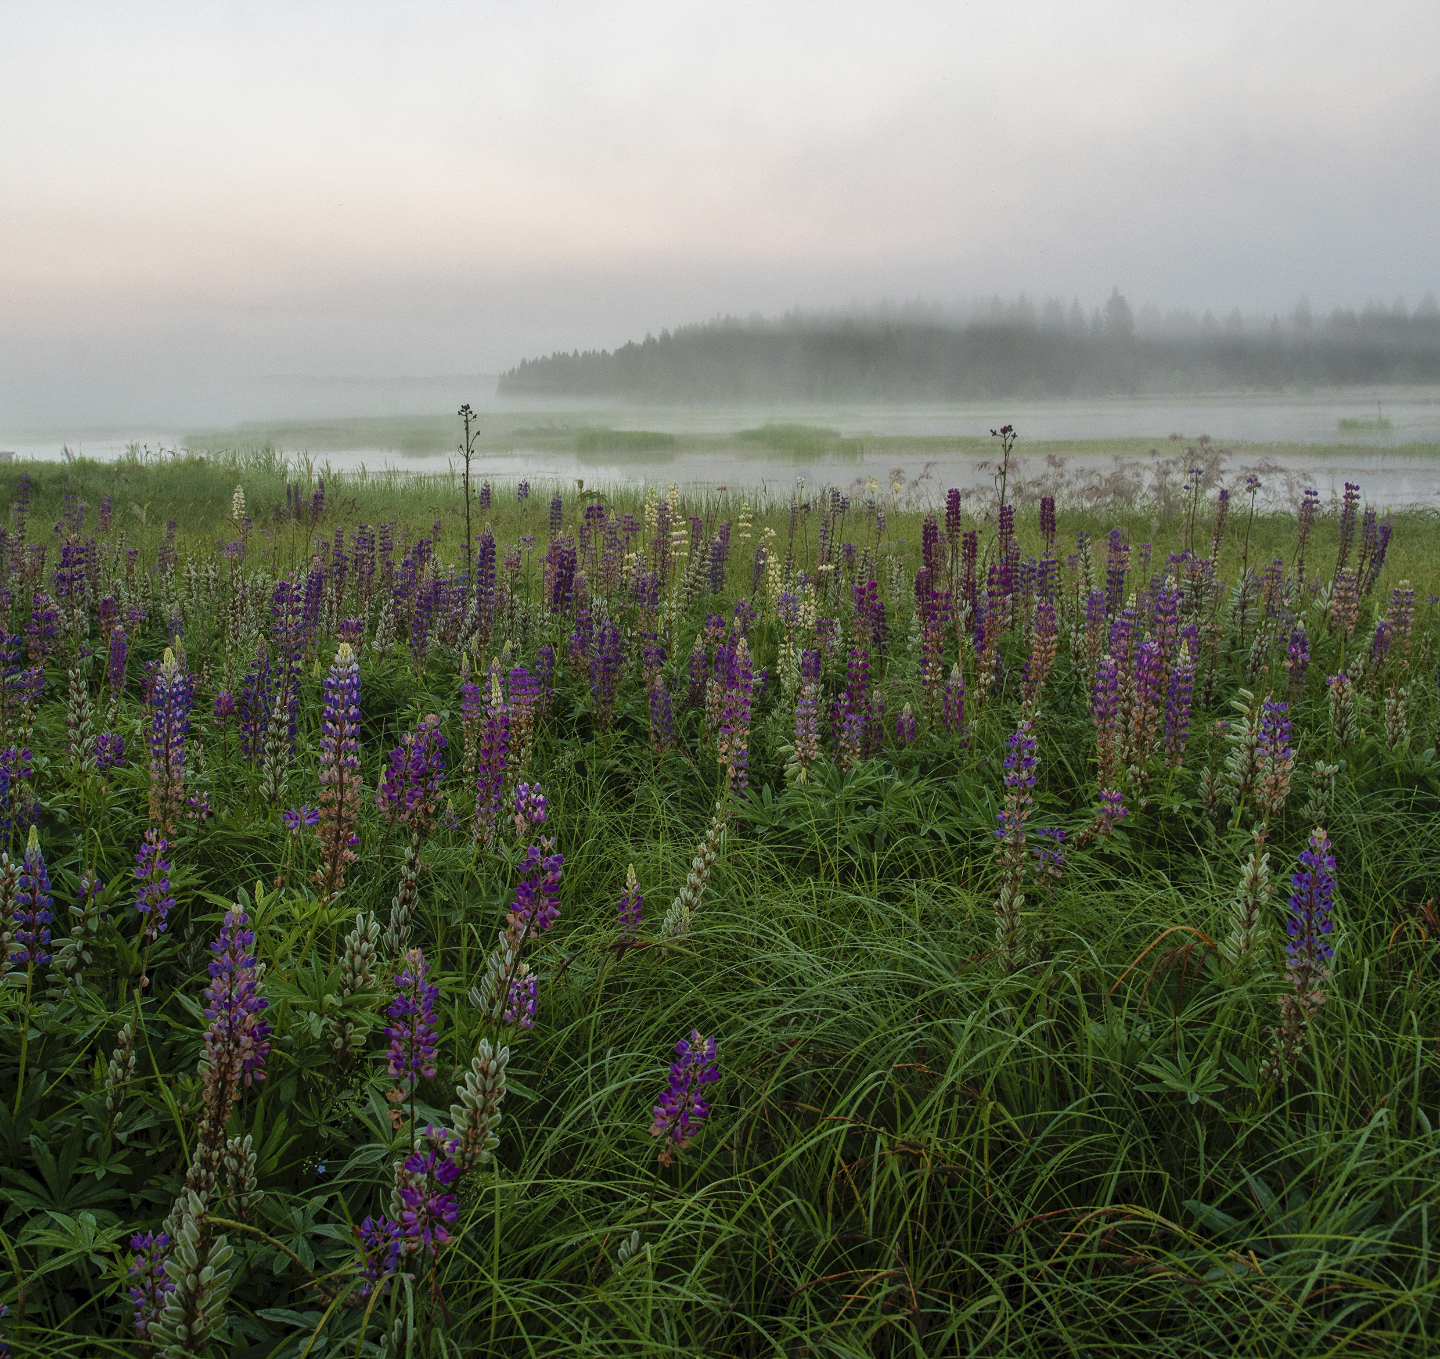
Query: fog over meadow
pixel 216 213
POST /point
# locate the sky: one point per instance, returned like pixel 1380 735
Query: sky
pixel 203 203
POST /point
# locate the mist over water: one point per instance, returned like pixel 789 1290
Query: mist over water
pixel 1295 441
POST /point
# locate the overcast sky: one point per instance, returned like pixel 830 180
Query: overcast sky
pixel 196 195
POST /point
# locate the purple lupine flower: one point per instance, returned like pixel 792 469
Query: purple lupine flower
pixel 153 898
pixel 484 497
pixel 952 702
pixel 41 631
pixel 18 808
pixel 119 653
pixel 1349 505
pixel 662 717
pixel 149 1284
pixel 531 809
pixel 298 818
pixel 1297 658
pixel 1047 520
pixel 522 490
pixel 1117 565
pixel 1020 764
pixel 952 515
pixel 1380 642
pixel 412 1031
pixel 109 750
pixel 734 743
pixel 521 1000
pixel 557 513
pixel 237 1041
pixel 545 670
pixel 429 1207
pixel 224 706
pixel 493 755
pixel 905 727
pixel 381 1244
pixel 1177 706
pixel 605 675
pixel 32 912
pixel 1377 557
pixel 632 906
pixel 350 630
pixel 410 790
pixel 850 708
pixel 1105 708
pixel 339 811
pixel 1049 852
pixel 1112 808
pixel 171 697
pixel 537 896
pixel 681 1108
pixel 1311 905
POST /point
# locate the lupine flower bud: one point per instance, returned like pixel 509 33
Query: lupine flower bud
pixel 632 905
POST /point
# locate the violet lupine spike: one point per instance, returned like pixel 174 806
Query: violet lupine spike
pixel 149 1283
pixel 18 808
pixel 605 673
pixel 662 717
pixel 1105 708
pixel 153 898
pixel 1275 758
pixel 492 758
pixel 804 750
pixel 1047 520
pixel 531 810
pixel 1348 508
pixel 733 747
pixel 952 703
pixel 238 1039
pixel 428 1206
pixel 681 1108
pixel 33 903
pixel 1178 705
pixel 410 791
pixel 471 716
pixel 522 1000
pixel 1010 851
pixel 1309 950
pixel 537 896
pixel 1297 658
pixel 632 906
pixel 115 664
pixel 339 814
pixel 412 1029
pixel 171 698
pixel 905 727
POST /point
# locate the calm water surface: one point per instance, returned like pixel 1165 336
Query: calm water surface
pixel 1393 467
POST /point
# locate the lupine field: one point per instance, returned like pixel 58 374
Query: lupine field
pixel 525 920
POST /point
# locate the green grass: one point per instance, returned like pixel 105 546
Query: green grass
pixel 633 441
pixel 913 1151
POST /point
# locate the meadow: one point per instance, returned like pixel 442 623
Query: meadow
pixel 848 921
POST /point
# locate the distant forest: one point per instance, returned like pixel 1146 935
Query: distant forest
pixel 1013 349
